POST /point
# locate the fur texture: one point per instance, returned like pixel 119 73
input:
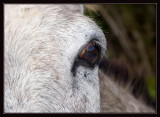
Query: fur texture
pixel 118 99
pixel 41 44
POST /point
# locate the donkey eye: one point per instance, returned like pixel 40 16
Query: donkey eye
pixel 90 53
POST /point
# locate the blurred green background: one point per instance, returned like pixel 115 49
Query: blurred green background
pixel 130 30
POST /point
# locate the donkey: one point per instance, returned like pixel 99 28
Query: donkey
pixel 51 59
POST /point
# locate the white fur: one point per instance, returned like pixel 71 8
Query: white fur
pixel 41 43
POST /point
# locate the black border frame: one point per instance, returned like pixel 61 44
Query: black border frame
pixel 88 2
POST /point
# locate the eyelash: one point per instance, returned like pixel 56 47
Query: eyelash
pixel 98 45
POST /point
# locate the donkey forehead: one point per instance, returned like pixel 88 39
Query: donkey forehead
pixel 63 25
pixel 60 20
pixel 67 26
pixel 72 7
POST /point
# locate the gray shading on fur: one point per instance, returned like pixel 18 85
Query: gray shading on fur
pixel 41 43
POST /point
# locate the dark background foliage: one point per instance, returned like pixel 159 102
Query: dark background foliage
pixel 130 30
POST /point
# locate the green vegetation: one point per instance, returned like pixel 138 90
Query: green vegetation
pixel 130 30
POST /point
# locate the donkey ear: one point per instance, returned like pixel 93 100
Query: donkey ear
pixel 76 7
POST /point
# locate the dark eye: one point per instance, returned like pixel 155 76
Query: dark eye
pixel 90 53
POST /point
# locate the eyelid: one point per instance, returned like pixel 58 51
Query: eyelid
pixel 100 46
pixel 95 42
pixel 79 62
